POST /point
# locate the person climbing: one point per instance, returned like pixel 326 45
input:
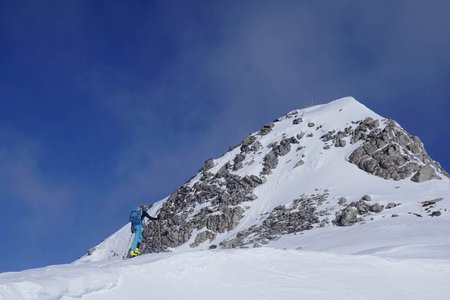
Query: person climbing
pixel 137 215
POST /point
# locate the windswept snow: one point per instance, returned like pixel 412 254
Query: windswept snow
pixel 262 273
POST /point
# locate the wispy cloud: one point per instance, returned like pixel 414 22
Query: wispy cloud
pixel 262 61
pixel 23 183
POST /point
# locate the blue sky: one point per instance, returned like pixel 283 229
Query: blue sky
pixel 108 104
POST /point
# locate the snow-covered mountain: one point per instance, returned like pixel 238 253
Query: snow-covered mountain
pixel 307 173
pixel 330 201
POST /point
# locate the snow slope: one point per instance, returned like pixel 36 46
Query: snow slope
pixel 262 273
pixel 398 253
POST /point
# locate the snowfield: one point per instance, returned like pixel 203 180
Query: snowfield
pixel 259 273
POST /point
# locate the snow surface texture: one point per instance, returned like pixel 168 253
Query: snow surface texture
pixel 261 273
pixel 395 243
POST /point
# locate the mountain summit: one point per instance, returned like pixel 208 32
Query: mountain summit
pixel 308 173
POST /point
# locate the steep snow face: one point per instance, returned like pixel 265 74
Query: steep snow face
pixel 330 168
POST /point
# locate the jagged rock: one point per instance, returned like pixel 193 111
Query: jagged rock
pixel 376 208
pixel 300 135
pixel 425 173
pixel 247 142
pixel 340 143
pixel 435 214
pixel 300 216
pixel 361 206
pixel 91 251
pixel 255 146
pixel 347 217
pixel 206 175
pixel 238 159
pixel 266 129
pixel 293 140
pixel 224 192
pixel 326 147
pixel 223 171
pixel 391 205
pixel 311 124
pixel 253 180
pixel 270 162
pixel 342 201
pixel 297 121
pixel 363 127
pixel 300 162
pixel 366 198
pixel 208 164
pixel 202 237
pixel 251 197
pixel 328 136
pixel 430 203
pixel 391 153
pixel 283 148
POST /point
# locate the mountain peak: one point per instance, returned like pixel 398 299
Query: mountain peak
pixel 313 168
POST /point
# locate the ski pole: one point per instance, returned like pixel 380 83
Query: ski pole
pixel 128 245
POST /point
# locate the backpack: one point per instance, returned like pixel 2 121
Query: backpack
pixel 135 216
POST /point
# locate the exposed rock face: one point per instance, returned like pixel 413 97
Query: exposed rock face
pixel 297 121
pixel 355 211
pixel 391 153
pixel 208 164
pixel 302 214
pixel 347 217
pixel 266 129
pixel 337 138
pixel 202 237
pixel 248 141
pixel 391 205
pixel 281 149
pixel 425 173
pixel 211 206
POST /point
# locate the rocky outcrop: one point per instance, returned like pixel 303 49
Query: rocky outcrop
pixel 270 161
pixel 211 206
pixel 337 138
pixel 425 173
pixel 266 129
pixel 391 153
pixel 302 214
pixel 202 237
pixel 355 211
pixel 209 164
